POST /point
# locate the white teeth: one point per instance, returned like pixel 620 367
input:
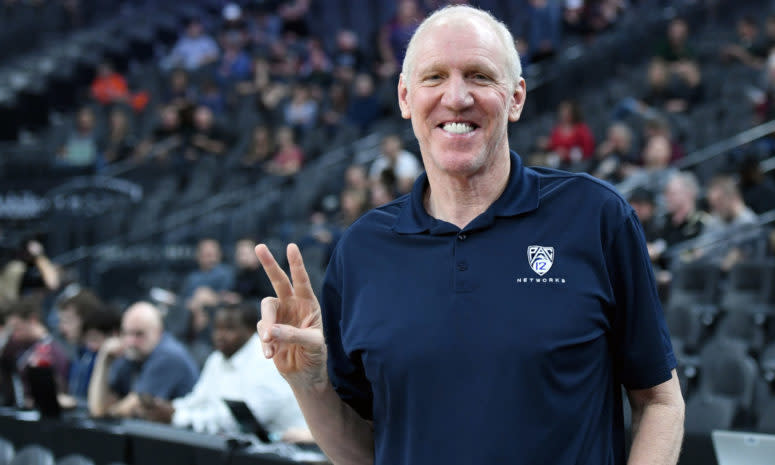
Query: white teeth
pixel 458 128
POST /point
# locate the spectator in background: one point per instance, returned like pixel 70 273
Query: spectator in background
pixel 317 67
pixel 212 97
pixel 750 49
pixel 166 140
pixel 404 166
pixel 301 112
pixel 33 345
pixel 758 191
pixel 145 361
pixel 348 54
pixel 289 157
pixel 684 221
pixel 29 271
pixel 72 313
pixel 119 143
pixel 355 178
pixel 235 371
pixel 643 202
pixel 364 105
pixel 656 169
pixel 260 149
pixel 673 89
pixel 571 140
pixel 294 17
pixel 394 36
pixel 613 153
pixel 234 64
pixel 263 26
pixel 80 149
pixel 179 92
pixel 250 281
pixel 728 239
pixel 334 108
pixel 675 46
pixel 211 272
pixel 109 86
pixel 208 137
pixel 193 50
pixel 543 29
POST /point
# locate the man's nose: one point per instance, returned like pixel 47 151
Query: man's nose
pixel 457 94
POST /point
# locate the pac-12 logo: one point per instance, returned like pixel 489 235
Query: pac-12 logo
pixel 540 258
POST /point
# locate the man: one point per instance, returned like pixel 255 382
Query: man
pixel 250 281
pixel 403 165
pixel 235 371
pixel 145 360
pixel 735 231
pixel 493 314
pixel 211 273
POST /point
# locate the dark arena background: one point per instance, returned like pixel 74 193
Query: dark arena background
pixel 145 143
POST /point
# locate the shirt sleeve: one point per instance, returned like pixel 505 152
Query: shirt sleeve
pixel 165 377
pixel 643 354
pixel 202 409
pixel 118 377
pixel 346 372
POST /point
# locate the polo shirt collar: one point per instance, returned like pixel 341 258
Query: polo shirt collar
pixel 520 196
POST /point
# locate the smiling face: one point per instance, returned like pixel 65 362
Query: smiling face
pixel 460 96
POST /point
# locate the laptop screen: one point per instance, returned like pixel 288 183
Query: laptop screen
pixel 740 448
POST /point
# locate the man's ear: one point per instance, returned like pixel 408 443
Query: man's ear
pixel 403 93
pixel 518 100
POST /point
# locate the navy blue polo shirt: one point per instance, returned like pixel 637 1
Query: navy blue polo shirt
pixel 505 342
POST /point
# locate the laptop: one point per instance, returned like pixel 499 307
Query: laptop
pixel 43 389
pixel 740 448
pixel 246 420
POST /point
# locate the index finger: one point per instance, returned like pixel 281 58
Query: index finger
pixel 280 282
pixel 301 283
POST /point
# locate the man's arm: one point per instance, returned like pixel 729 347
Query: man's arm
pixel 100 398
pixel 657 423
pixel 48 271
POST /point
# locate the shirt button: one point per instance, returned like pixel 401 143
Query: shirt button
pixel 462 236
pixel 462 266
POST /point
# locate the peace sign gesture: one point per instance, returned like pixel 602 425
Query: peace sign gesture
pixel 291 330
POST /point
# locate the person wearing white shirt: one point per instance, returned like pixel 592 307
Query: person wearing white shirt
pixel 236 370
pixel 404 165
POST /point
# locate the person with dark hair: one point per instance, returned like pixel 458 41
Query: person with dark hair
pixel 571 139
pixel 750 48
pixel 758 191
pixel 235 371
pixel 73 311
pixel 32 345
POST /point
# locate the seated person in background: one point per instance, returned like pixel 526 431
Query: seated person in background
pixel 675 88
pixel 749 49
pixel 675 46
pixel 109 86
pixel 119 142
pixel 758 191
pixel 260 150
pixel 250 281
pixel 614 153
pixel 728 240
pixel 31 344
pixel 211 273
pixel 404 165
pixel 571 140
pixel 684 221
pixel 166 139
pixel 207 138
pixel 72 313
pixel 289 157
pixel 80 149
pixel 237 370
pixel 145 360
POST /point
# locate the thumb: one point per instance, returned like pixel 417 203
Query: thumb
pixel 307 337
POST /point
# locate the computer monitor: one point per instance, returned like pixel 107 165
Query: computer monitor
pixel 740 448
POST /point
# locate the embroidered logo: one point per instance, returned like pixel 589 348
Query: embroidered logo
pixel 540 258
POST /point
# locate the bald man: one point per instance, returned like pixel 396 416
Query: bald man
pixel 143 361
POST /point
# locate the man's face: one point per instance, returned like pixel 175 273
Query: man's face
pixel 460 97
pixel 139 338
pixel 245 256
pixel 675 196
pixel 70 325
pixel 718 202
pixel 229 334
pixel 208 255
pixel 22 330
pixel 644 210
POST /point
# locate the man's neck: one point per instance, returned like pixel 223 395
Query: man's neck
pixel 460 199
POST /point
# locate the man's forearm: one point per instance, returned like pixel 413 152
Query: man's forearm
pixel 99 398
pixel 345 437
pixel 657 434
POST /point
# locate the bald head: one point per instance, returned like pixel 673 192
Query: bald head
pixel 141 330
pixel 475 18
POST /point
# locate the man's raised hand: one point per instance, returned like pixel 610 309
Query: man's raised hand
pixel 290 329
